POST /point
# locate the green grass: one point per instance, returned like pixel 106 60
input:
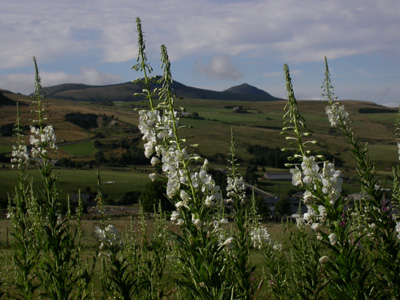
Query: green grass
pixel 5 149
pixel 114 182
pixel 80 149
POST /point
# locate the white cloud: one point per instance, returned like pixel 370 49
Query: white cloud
pixel 24 83
pixel 298 32
pixel 219 67
pixel 89 33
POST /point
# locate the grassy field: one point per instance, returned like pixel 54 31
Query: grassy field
pixel 114 182
pixel 259 125
pixel 79 149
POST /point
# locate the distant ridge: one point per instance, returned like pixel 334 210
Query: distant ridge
pixel 125 91
pixel 4 100
pixel 247 89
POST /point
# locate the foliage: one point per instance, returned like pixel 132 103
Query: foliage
pixel 153 194
pixel 283 207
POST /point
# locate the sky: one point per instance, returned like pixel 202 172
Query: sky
pixel 212 44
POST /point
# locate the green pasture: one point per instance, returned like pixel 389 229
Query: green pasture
pixel 79 149
pixel 386 155
pixel 5 149
pixel 114 182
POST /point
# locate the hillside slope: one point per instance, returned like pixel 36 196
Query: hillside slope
pixel 125 91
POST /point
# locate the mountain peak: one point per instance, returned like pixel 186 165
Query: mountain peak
pixel 247 89
pixel 125 91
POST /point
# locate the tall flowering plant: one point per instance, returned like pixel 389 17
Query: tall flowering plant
pixel 345 264
pixel 22 211
pixel 376 216
pixel 47 256
pixel 189 185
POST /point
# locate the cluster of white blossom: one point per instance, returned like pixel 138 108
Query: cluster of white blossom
pixel 175 217
pixel 157 127
pixel 325 178
pixel 398 229
pixel 337 115
pixel 398 150
pixel 108 237
pixel 223 235
pixel 317 179
pixel 235 189
pixel 228 243
pixel 333 239
pixel 20 156
pixel 260 237
pixel 42 139
pixel 313 216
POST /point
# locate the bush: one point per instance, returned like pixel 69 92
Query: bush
pixel 283 207
pixel 153 194
pixel 129 198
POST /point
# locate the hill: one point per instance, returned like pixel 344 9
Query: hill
pixel 92 135
pixel 125 91
pixel 4 100
pixel 247 89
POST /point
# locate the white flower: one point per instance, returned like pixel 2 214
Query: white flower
pixel 172 187
pixel 148 149
pixel 154 161
pixel 108 236
pixel 316 226
pixel 184 196
pixel 174 216
pixel 323 259
pixel 152 176
pixel 337 115
pixel 260 237
pixel 224 221
pixel 322 212
pixel 236 189
pixel 333 239
pixel 228 243
pixel 300 221
pixel 310 214
pixel 209 200
pixel 398 229
pixel 42 139
pixel 310 169
pixel 196 222
pixel 20 156
pixel 296 176
pixel 307 196
pixel 398 149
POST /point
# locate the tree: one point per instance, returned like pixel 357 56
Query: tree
pixel 154 193
pixel 283 207
pixel 250 176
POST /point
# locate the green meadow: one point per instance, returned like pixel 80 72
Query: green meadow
pixel 258 123
pixel 114 182
pixel 79 149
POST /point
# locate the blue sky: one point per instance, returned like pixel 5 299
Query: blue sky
pixel 213 44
